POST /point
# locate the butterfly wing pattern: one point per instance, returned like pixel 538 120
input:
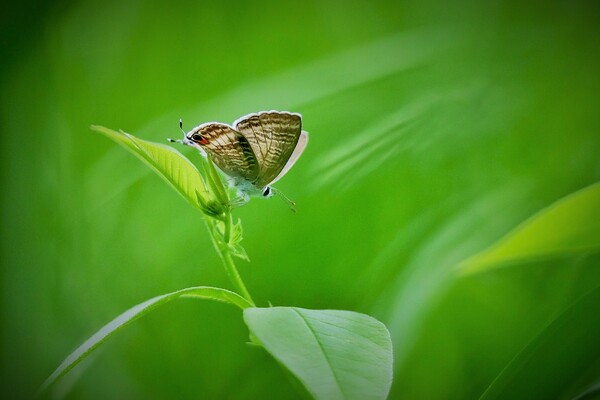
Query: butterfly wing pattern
pixel 258 150
pixel 273 136
pixel 227 148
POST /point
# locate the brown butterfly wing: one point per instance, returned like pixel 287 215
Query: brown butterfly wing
pixel 228 149
pixel 273 136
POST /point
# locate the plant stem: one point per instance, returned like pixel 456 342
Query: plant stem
pixel 234 275
pixel 222 247
pixel 228 221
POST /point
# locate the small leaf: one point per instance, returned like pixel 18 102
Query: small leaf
pixel 200 292
pixel 239 251
pixel 560 362
pixel 568 226
pixel 235 240
pixel 335 354
pixel 167 162
pixel 237 232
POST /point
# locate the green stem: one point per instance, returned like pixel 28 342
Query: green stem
pixel 234 276
pixel 228 221
pixel 225 253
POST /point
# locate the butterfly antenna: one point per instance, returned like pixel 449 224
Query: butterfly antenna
pixel 291 203
pixel 181 126
pixel 179 141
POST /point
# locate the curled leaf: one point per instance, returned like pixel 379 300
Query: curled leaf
pixel 168 163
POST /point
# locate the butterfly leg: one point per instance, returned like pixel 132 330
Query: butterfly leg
pixel 240 200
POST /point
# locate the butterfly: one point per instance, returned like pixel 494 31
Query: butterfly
pixel 256 151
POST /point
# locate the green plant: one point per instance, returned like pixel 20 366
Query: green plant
pixel 335 354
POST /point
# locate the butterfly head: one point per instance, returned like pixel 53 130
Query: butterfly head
pixel 192 138
pixel 195 137
pixel 188 138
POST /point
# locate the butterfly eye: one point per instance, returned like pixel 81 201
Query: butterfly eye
pixel 267 192
pixel 197 137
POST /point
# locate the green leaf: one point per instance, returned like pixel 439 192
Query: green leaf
pixel 235 245
pixel 237 232
pixel 560 362
pixel 569 226
pixel 239 251
pixel 335 354
pixel 215 182
pixel 199 292
pixel 167 162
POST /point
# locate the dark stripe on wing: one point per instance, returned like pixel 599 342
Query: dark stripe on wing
pixel 273 136
pixel 228 149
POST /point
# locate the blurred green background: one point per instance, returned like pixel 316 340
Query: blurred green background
pixel 436 127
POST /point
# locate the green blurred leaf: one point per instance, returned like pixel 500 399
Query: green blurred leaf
pixel 167 162
pixel 560 362
pixel 200 292
pixel 335 354
pixel 568 226
pixel 591 393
